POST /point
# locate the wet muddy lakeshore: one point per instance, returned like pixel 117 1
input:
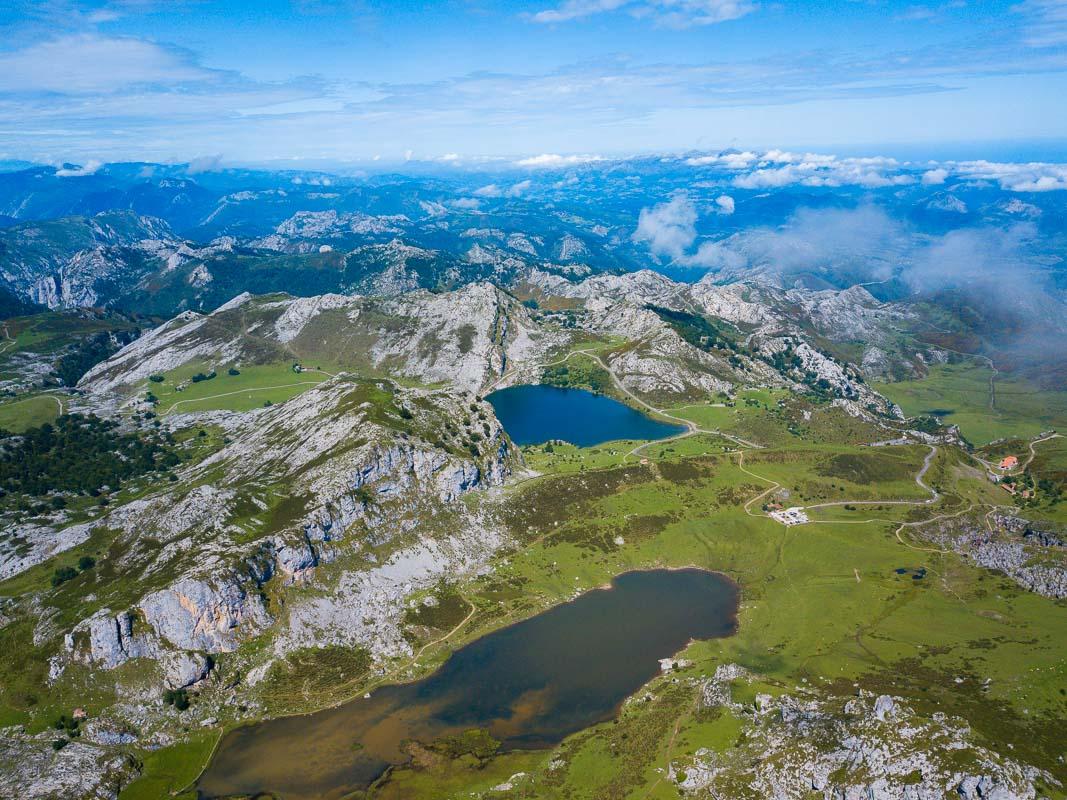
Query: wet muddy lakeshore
pixel 529 685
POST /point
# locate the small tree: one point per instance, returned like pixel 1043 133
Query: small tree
pixel 178 698
pixel 62 575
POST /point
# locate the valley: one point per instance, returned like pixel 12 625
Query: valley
pixel 281 520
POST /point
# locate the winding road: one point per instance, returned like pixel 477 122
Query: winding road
pixel 934 496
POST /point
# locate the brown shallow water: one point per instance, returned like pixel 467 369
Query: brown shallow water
pixel 530 684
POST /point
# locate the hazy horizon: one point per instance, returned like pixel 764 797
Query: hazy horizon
pixel 260 83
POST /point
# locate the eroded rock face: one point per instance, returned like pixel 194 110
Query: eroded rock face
pixel 344 471
pixel 197 615
pixel 31 770
pixel 111 640
pixel 365 608
pixel 185 669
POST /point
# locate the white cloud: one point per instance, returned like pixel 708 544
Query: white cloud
pixel 204 164
pixel 88 168
pixel 576 9
pixel 1016 206
pixel 1031 177
pixel 517 189
pixel 779 168
pixel 935 177
pixel 725 204
pixel 669 228
pixel 812 169
pixel 89 63
pixel 975 257
pixel 667 13
pixel 716 256
pixel 863 240
pixel 728 160
pixel 466 204
pixel 864 243
pixel 556 161
pixel 495 190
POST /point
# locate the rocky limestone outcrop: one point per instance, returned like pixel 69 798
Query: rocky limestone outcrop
pixel 194 614
pixel 31 770
pixel 110 640
pixel 347 466
pixel 463 338
pixel 866 748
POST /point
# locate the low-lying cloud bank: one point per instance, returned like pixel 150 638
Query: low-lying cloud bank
pixel 865 244
pixel 779 168
pixel 1004 280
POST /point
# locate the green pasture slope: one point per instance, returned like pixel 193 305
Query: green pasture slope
pixel 822 607
pixel 28 412
pixel 255 386
pixel 959 394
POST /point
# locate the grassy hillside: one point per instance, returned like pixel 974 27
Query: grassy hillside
pixel 960 394
pixel 825 606
pixel 255 385
pixel 28 412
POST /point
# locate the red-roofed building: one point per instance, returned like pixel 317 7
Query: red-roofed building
pixel 1009 462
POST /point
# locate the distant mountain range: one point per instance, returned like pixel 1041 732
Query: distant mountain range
pixel 154 239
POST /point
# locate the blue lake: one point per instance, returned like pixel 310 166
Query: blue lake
pixel 536 414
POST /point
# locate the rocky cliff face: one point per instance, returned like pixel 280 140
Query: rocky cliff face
pixel 81 261
pixel 347 464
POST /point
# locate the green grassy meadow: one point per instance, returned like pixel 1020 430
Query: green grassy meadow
pixel 28 412
pixel 255 386
pixel 959 394
pixel 822 605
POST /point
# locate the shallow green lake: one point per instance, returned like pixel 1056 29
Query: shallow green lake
pixel 530 685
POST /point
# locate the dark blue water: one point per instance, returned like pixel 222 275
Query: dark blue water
pixel 537 414
pixel 530 685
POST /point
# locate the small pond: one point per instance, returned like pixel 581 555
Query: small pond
pixel 533 414
pixel 530 685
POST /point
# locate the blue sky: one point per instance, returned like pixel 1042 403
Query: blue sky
pixel 338 82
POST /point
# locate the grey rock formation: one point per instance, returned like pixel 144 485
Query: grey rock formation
pixel 31 770
pixel 194 614
pixel 797 746
pixel 185 669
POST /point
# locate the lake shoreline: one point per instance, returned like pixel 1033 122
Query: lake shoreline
pixel 643 607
